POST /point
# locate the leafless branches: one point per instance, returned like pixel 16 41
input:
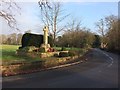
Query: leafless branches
pixel 6 12
pixel 101 27
pixel 44 4
pixel 52 15
pixel 74 25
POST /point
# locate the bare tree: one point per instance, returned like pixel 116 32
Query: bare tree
pixel 76 35
pixel 101 28
pixel 52 15
pixel 111 21
pixel 6 12
pixel 73 25
pixel 110 32
pixel 113 33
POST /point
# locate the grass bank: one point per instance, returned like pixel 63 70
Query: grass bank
pixel 14 64
pixel 9 54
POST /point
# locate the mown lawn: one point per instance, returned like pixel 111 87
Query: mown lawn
pixel 9 54
pixel 28 63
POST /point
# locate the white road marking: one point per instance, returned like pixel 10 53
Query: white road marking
pixel 110 58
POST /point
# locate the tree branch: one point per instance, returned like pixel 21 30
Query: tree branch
pixel 6 12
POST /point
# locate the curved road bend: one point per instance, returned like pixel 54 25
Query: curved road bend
pixel 99 71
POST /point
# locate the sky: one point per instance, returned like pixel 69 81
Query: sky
pixel 87 12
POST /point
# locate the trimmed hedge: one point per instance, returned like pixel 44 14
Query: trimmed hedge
pixel 29 39
pixel 72 53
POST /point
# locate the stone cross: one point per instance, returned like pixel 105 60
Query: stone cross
pixel 45 29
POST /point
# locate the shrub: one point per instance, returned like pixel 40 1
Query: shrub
pixel 20 47
pixel 31 48
pixel 42 49
pixel 81 51
pixel 72 53
pixel 28 49
pixel 63 54
pixel 50 41
pixel 63 49
pixel 56 55
pixel 25 49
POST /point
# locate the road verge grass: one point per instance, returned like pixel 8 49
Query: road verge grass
pixel 14 64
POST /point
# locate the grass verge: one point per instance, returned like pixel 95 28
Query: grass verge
pixel 14 64
pixel 9 55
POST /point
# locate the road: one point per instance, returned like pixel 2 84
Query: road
pixel 99 71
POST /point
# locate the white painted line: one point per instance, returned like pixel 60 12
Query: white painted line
pixel 63 65
pixel 109 58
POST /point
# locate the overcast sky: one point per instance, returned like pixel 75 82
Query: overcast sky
pixel 87 12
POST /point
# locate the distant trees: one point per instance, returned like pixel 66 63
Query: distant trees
pixel 76 36
pixel 97 41
pixel 112 32
pixel 101 29
pixel 19 38
pixel 113 35
pixel 11 39
pixel 81 39
pixel 3 39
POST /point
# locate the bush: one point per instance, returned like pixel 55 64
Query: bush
pixel 31 48
pixel 81 51
pixel 28 49
pixel 42 49
pixel 72 53
pixel 63 49
pixel 63 54
pixel 56 55
pixel 20 47
pixel 25 49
